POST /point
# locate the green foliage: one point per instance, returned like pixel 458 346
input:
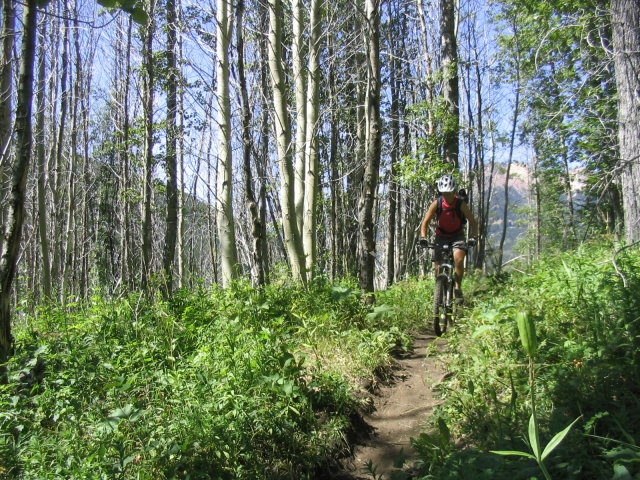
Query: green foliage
pixel 210 384
pixel 587 326
pixel 569 108
pixel 424 169
pixel 132 7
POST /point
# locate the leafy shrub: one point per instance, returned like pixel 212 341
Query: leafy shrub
pixel 235 383
pixel 587 323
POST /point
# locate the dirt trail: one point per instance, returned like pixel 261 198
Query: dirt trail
pixel 401 410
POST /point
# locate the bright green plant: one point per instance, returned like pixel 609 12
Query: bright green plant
pixel 527 330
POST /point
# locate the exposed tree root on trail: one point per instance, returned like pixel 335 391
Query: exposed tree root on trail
pixel 401 408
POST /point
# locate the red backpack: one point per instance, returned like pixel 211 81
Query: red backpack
pixel 451 220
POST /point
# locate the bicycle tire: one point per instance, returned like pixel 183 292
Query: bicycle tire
pixel 439 306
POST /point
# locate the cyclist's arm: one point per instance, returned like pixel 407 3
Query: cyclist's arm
pixel 473 223
pixel 431 213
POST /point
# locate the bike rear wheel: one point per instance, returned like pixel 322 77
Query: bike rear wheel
pixel 440 312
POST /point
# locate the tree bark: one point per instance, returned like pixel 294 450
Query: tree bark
pixel 450 88
pixel 148 96
pixel 257 238
pixel 171 162
pixel 226 230
pixel 300 87
pixel 295 252
pixel 6 74
pixel 12 230
pixel 43 224
pixel 625 16
pixel 395 153
pixel 309 238
pixel 126 243
pixel 367 243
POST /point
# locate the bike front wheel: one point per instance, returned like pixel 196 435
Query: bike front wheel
pixel 440 313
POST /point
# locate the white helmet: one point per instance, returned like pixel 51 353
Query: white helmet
pixel 447 183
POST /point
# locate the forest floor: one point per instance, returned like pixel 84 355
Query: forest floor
pixel 402 406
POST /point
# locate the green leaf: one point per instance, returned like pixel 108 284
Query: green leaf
pixel 513 452
pixel 557 438
pixel 620 472
pixel 108 3
pixel 139 16
pixel 482 329
pixel 527 329
pixel 533 436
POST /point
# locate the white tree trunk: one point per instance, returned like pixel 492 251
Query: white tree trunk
pixel 283 139
pixel 300 85
pixel 311 147
pixel 226 231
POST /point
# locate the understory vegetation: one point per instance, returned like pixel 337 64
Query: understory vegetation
pixel 267 383
pixel 234 383
pixel 587 315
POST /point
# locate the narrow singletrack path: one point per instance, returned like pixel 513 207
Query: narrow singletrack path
pixel 401 410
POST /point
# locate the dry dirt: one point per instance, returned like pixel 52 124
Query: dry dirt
pixel 401 409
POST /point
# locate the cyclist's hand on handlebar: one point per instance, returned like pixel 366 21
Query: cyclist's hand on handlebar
pixel 471 242
pixel 423 242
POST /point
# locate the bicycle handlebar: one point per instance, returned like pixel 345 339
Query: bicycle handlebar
pixel 470 243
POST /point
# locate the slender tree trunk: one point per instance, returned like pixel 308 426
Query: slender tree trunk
pixel 334 185
pixel 512 140
pixel 312 173
pixel 70 223
pixel 180 250
pixel 171 162
pixel 569 192
pixel 367 243
pixel 450 89
pixel 6 74
pixel 263 157
pixel 126 243
pixel 295 252
pixel 395 150
pixel 538 200
pixel 625 16
pixel 59 167
pixel 226 230
pixel 12 230
pixel 300 87
pixel 256 249
pixel 429 80
pixel 42 168
pixel 148 96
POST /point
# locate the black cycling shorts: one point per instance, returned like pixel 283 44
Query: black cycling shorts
pixel 457 241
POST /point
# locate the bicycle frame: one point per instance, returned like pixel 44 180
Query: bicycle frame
pixel 446 269
pixel 444 305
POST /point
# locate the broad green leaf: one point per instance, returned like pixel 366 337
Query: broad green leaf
pixel 108 3
pixel 482 329
pixel 557 438
pixel 139 16
pixel 533 436
pixel 527 329
pixel 620 472
pixel 513 452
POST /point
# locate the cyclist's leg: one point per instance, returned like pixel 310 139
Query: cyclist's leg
pixel 458 259
pixel 437 254
pixel 459 253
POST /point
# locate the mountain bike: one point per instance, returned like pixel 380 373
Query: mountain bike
pixel 445 307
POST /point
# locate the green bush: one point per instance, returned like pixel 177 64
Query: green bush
pixel 587 325
pixel 235 383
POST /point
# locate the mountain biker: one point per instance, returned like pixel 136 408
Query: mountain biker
pixel 448 209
